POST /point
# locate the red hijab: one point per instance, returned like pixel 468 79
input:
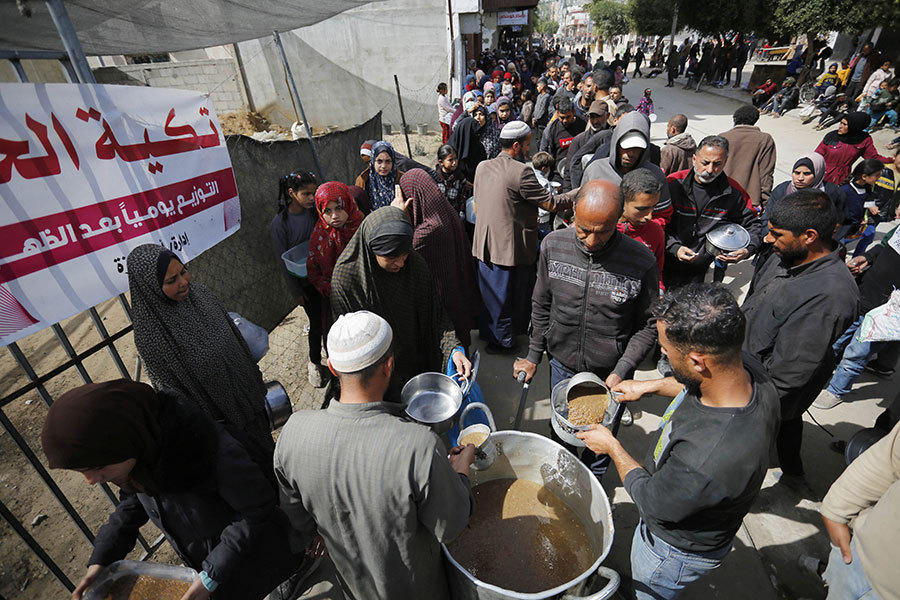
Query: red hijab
pixel 326 243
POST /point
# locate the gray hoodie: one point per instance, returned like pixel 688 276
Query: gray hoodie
pixel 609 168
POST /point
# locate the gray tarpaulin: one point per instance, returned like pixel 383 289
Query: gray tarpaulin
pixel 151 26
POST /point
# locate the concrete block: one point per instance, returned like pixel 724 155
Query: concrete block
pixel 209 69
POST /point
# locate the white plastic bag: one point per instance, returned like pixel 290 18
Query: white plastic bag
pixel 256 337
pixel 882 324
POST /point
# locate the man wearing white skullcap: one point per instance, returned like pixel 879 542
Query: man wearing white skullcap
pixel 507 196
pixel 377 487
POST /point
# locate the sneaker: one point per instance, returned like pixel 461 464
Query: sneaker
pixel 874 367
pixel 826 400
pixel 314 375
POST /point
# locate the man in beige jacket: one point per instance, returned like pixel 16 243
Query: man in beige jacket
pixel 751 158
pixel 867 495
pixel 507 197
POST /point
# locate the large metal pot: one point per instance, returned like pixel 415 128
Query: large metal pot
pixel 536 458
pixel 433 399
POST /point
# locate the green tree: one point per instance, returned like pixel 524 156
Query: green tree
pixel 610 17
pixel 542 21
pixel 651 17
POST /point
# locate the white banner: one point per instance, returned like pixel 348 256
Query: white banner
pixel 512 17
pixel 89 172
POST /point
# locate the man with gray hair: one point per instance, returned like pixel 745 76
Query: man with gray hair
pixel 704 198
pixel 377 487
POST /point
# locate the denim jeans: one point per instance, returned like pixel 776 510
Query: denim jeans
pixel 660 571
pixel 847 582
pixel 855 356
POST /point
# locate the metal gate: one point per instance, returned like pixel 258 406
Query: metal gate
pixel 77 70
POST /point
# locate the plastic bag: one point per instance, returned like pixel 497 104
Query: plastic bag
pixel 882 323
pixel 256 337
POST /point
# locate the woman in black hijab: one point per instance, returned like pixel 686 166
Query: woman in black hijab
pixel 467 142
pixel 380 272
pixel 182 471
pixel 841 148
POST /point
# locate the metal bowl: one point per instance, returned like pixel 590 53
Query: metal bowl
pixel 727 238
pixel 278 404
pixel 559 404
pixel 432 399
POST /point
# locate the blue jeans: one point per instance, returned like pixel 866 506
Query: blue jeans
pixel 660 571
pixel 855 356
pixel 847 582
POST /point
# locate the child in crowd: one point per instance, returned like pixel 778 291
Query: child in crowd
pixel 641 190
pixel 861 209
pixel 645 106
pixel 450 179
pixel 339 218
pixel 291 227
pixel 543 166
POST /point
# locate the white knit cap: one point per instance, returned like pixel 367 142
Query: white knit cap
pixel 515 130
pixel 358 340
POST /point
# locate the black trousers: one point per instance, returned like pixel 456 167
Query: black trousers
pixel 787 443
pixel 313 309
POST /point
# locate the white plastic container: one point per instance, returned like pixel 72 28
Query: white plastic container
pixel 295 259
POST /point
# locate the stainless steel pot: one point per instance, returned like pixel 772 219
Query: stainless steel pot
pixel 278 404
pixel 727 238
pixel 536 458
pixel 433 399
pixel 559 404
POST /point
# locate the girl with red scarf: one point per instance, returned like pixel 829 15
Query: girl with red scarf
pixel 339 218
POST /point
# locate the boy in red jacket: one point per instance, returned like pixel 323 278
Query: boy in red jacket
pixel 641 189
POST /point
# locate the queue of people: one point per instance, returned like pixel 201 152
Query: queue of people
pixel 396 283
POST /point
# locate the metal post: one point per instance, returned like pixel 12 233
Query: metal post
pixel 69 38
pixel 20 71
pixel 290 75
pixel 29 371
pixel 402 117
pixel 113 351
pixel 35 547
pixel 70 352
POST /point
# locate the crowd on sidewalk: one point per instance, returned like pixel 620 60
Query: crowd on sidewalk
pixel 548 212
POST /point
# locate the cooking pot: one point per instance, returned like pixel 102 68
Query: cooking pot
pixel 433 399
pixel 487 450
pixel 533 457
pixel 727 238
pixel 559 403
pixel 278 404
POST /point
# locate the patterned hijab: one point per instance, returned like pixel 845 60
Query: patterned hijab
pixel 326 242
pixel 489 135
pixel 381 189
pixel 193 348
pixel 441 240
pixel 405 299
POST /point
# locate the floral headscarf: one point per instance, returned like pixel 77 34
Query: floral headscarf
pixel 381 189
pixel 326 243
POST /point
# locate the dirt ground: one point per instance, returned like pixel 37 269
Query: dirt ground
pixel 424 147
pixel 247 122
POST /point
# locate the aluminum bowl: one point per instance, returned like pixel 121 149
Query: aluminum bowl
pixel 432 399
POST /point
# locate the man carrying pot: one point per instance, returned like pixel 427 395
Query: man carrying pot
pixel 377 487
pixel 707 463
pixel 591 303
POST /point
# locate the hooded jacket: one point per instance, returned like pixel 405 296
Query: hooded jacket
pixel 608 168
pixel 677 152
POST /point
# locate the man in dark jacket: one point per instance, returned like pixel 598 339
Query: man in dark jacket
pixel 801 299
pixel 591 304
pixel 880 268
pixel 711 452
pixel 559 134
pixel 598 117
pixel 629 149
pixel 704 198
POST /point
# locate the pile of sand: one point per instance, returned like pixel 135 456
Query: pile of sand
pixel 246 122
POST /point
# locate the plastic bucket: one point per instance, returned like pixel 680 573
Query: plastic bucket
pixel 295 259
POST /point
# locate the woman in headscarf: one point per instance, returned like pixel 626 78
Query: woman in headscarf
pixel 468 145
pixel 190 345
pixel 506 112
pixel 841 148
pixel 381 176
pixel 440 239
pixel 808 173
pixel 488 134
pixel 339 218
pixel 181 471
pixel 380 272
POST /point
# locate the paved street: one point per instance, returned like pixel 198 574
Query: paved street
pixel 782 526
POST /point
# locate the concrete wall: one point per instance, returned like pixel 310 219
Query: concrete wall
pixel 37 71
pixel 344 66
pixel 242 270
pixel 219 77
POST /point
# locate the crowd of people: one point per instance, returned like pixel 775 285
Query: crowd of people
pixel 598 253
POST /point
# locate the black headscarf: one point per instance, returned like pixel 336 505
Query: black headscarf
pixel 856 122
pixel 392 238
pixel 468 145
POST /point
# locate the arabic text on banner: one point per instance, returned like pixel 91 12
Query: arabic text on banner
pixel 89 172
